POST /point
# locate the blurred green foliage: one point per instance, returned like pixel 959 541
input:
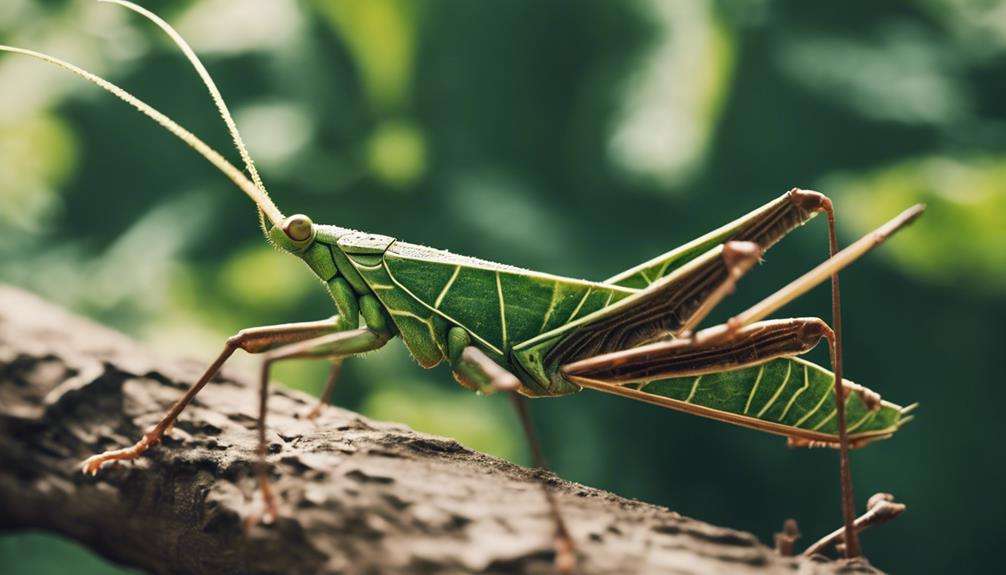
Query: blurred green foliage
pixel 578 137
pixel 33 553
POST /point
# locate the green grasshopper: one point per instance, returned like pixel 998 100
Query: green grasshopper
pixel 504 328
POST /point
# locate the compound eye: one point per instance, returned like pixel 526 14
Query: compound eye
pixel 298 228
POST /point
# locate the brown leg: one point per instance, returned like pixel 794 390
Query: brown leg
pixel 326 394
pixel 334 345
pixel 727 332
pixel 852 548
pixel 835 347
pixel 252 340
pixel 475 365
pixel 738 258
pixel 565 549
pixel 830 269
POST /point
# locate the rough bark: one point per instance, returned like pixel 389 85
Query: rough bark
pixel 359 496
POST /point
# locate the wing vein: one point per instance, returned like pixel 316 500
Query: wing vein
pixel 825 420
pixel 583 300
pixel 792 400
pixel 499 294
pixel 761 372
pixel 447 286
pixel 695 387
pixel 820 402
pixel 775 396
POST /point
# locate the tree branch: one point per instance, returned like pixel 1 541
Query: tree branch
pixel 359 496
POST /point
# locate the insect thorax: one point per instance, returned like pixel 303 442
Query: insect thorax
pixel 426 291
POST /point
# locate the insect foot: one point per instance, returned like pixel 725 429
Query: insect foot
pixel 267 512
pixel 314 413
pixel 263 513
pixel 93 464
pixel 565 555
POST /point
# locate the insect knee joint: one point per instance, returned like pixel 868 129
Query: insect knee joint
pixel 809 200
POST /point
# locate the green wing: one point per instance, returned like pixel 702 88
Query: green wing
pixel 764 226
pixel 427 290
pixel 640 316
pixel 788 396
pixel 499 305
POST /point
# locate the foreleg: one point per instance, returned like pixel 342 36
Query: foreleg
pixel 252 340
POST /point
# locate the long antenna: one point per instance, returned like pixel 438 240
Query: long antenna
pixel 218 98
pixel 258 195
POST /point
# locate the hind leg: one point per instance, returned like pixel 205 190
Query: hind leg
pixel 827 270
pixel 764 226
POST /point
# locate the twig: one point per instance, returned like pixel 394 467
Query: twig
pixel 881 508
pixel 357 496
pixel 786 540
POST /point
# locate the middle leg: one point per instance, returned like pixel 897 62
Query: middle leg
pixel 334 347
pixel 475 370
pixel 326 395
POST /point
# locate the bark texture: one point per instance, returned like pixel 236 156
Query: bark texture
pixel 358 496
